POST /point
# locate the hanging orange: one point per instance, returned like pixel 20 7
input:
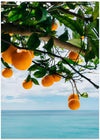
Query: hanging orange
pixel 73 96
pixel 54 26
pixel 74 56
pixel 7 55
pixel 32 53
pixel 57 78
pixel 7 72
pixel 47 81
pixel 74 104
pixel 27 85
pixel 21 59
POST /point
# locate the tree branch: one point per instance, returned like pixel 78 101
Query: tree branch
pixel 74 14
pixel 3 3
pixel 96 86
pixel 28 30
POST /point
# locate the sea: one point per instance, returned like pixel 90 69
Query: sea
pixel 49 124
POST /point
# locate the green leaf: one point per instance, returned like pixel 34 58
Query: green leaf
pixel 84 94
pixel 69 61
pixel 5 64
pixel 76 42
pixel 70 23
pixel 67 79
pixel 35 81
pixel 52 70
pixel 33 67
pixel 46 24
pixel 76 35
pixel 28 78
pixel 72 5
pixel 40 74
pixel 96 11
pixel 49 45
pixel 67 71
pixel 64 36
pixel 80 61
pixel 40 14
pixel 90 55
pixel 89 10
pixel 33 41
pixel 96 61
pixel 4 45
pixel 37 53
pixel 88 66
pixel 14 15
pixel 43 61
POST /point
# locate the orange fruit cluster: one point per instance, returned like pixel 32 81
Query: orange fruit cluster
pixel 73 102
pixel 74 56
pixel 21 59
pixel 49 80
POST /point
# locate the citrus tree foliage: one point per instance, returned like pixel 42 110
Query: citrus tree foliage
pixel 33 22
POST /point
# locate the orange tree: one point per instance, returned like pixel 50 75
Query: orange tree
pixel 36 26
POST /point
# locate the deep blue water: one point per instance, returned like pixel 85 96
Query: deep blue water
pixel 66 124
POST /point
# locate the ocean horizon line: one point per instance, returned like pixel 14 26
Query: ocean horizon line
pixel 44 110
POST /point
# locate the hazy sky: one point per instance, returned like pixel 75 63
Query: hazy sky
pixel 14 96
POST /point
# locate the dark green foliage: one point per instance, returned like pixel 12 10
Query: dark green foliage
pixel 33 67
pixel 52 70
pixel 33 41
pixel 40 73
pixel 90 55
pixel 40 14
pixel 35 81
pixel 4 45
pixel 49 45
pixel 85 95
pixel 28 78
pixel 18 13
pixel 69 61
pixel 5 64
pixel 46 24
pixel 37 53
pixel 64 36
pixel 72 24
pixel 96 11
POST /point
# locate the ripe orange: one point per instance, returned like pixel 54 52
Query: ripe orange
pixel 21 59
pixel 54 26
pixel 74 104
pixel 27 85
pixel 74 56
pixel 56 78
pixel 7 55
pixel 73 96
pixel 47 81
pixel 10 34
pixel 7 72
pixel 82 37
pixel 32 53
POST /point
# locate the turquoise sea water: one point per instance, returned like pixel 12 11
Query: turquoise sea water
pixel 50 124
